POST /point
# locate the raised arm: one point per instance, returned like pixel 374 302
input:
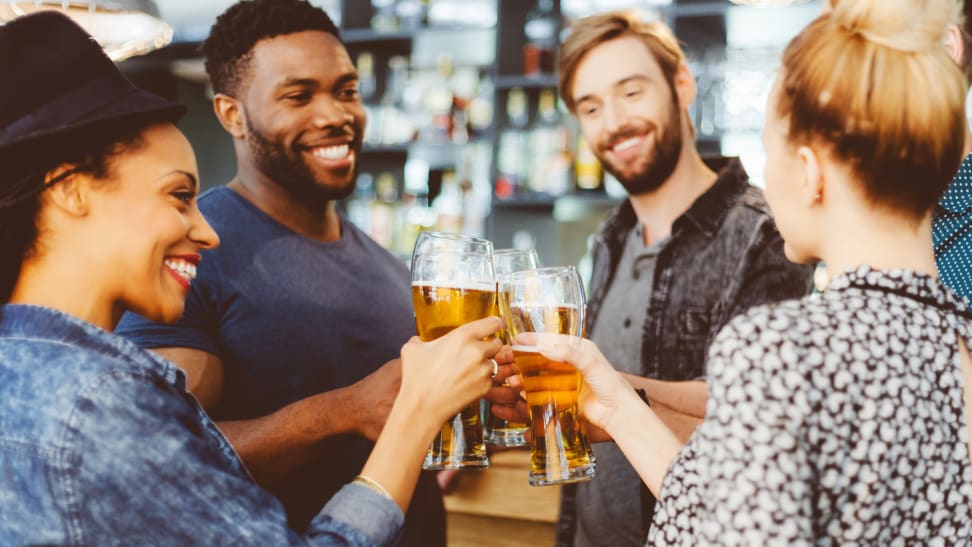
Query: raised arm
pixel 160 475
pixel 277 445
pixel 439 379
pixel 680 405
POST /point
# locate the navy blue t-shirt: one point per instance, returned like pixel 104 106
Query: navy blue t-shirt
pixel 289 317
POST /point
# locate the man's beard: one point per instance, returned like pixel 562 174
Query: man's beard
pixel 288 169
pixel 663 157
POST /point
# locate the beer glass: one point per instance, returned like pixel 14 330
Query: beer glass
pixel 549 301
pixel 450 289
pixel 501 432
pixel 438 242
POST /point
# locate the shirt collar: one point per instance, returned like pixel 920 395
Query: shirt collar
pixel 40 323
pixel 958 194
pixel 920 286
pixel 708 210
pixel 706 213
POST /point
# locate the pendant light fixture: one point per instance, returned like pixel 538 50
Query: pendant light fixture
pixel 766 3
pixel 123 28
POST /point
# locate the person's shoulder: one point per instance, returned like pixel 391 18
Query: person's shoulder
pixel 216 198
pixel 239 224
pixel 76 379
pixel 358 238
pixel 750 207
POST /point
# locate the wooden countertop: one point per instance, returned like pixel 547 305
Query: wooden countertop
pixel 498 507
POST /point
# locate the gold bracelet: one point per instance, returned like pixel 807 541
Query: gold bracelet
pixel 373 484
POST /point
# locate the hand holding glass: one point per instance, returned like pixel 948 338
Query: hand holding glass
pixel 450 290
pixel 549 301
pixel 498 431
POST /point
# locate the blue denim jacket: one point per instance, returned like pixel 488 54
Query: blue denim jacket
pixel 100 444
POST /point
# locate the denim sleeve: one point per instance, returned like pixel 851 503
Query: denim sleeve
pixel 362 513
pixel 768 276
pixel 765 276
pixel 149 472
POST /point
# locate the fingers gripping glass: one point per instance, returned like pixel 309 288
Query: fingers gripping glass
pixel 501 432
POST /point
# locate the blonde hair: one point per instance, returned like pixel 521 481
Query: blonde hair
pixel 872 82
pixel 593 31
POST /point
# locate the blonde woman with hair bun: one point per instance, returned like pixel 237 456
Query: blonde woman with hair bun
pixel 840 418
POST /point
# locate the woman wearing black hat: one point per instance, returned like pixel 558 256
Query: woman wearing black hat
pixel 99 441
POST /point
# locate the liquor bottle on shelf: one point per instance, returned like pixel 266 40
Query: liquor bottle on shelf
pixel 359 206
pixel 413 215
pixel 540 29
pixel 448 204
pixel 383 209
pixel 473 175
pixel 411 13
pixel 480 108
pixel 550 159
pixel 414 211
pixel 438 103
pixel 463 83
pixel 396 126
pixel 512 163
pixel 587 168
pixel 367 83
pixel 384 18
pixel 367 87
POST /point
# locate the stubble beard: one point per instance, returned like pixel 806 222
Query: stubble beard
pixel 662 160
pixel 288 169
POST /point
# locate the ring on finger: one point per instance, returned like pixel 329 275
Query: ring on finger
pixel 495 368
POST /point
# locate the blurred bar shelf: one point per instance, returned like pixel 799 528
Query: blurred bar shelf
pixel 526 82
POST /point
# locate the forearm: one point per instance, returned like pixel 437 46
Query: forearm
pixel 396 460
pixel 687 398
pixel 648 444
pixel 276 446
pixel 679 405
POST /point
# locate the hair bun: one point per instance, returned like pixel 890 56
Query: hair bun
pixel 905 25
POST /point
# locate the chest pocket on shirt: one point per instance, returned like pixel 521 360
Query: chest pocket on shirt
pixel 693 333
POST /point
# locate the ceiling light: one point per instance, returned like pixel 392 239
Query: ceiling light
pixel 766 3
pixel 123 27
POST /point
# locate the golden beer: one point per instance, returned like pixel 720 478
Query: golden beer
pixel 498 431
pixel 559 450
pixel 438 310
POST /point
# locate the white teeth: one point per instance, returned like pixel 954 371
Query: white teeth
pixel 332 152
pixel 185 269
pixel 626 144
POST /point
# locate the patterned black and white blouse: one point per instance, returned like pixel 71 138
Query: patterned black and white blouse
pixel 832 420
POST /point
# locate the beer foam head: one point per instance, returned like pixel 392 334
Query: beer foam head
pixel 486 286
pixel 520 348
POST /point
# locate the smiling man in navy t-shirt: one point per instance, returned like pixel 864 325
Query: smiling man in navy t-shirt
pixel 293 326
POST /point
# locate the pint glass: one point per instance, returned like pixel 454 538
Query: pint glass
pixel 449 290
pixel 549 301
pixel 501 432
pixel 448 242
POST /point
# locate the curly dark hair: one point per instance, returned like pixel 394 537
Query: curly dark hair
pixel 233 35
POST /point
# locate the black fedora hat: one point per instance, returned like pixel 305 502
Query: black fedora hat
pixel 60 89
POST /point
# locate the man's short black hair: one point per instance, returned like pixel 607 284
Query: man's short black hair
pixel 242 25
